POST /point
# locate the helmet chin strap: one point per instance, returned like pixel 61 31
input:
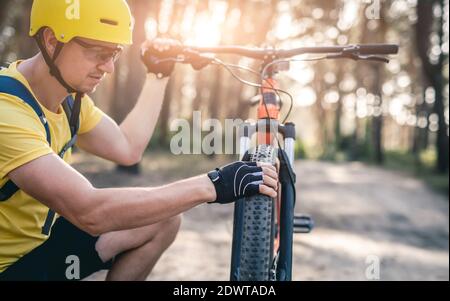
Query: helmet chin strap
pixel 54 71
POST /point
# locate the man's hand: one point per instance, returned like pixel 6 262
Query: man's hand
pixel 157 55
pixel 243 179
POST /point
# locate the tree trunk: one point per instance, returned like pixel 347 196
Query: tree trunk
pixel 434 74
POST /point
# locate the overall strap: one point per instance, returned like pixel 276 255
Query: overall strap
pixel 72 109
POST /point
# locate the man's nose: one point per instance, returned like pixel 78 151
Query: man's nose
pixel 107 67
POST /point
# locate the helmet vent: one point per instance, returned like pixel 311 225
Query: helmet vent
pixel 109 22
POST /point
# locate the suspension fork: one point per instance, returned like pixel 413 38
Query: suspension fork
pixel 266 128
pixel 285 206
pixel 288 195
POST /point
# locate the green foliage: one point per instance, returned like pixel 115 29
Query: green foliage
pixel 349 149
pixel 300 150
pixel 421 166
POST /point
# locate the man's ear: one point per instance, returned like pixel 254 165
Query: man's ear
pixel 49 40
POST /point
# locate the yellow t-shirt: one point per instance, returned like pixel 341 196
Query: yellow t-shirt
pixel 23 139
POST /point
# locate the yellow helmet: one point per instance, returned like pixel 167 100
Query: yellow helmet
pixel 101 20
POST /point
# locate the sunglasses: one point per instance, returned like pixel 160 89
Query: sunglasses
pixel 100 54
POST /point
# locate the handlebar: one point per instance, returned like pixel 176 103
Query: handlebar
pixel 383 49
pixel 261 54
pixel 200 57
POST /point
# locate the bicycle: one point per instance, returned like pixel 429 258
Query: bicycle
pixel 263 228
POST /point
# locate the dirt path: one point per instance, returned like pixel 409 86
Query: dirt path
pixel 360 212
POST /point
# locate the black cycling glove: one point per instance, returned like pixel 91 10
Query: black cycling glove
pixel 236 180
pixel 161 63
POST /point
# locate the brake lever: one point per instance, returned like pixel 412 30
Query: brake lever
pixel 358 57
pixel 197 60
pixel 375 58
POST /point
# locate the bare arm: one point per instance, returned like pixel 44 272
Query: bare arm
pixel 126 143
pixel 60 187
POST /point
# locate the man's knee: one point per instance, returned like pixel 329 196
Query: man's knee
pixel 173 224
pixel 169 228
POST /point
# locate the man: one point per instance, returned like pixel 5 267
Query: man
pixel 124 230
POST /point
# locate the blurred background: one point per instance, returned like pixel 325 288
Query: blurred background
pixel 373 139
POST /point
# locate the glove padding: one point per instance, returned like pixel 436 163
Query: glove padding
pixel 236 180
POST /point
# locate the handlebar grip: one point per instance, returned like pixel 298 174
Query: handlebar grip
pixel 378 49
